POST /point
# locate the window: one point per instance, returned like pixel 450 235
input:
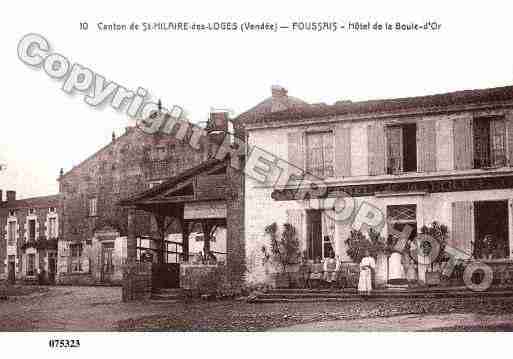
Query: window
pixel 12 213
pixel 320 234
pixel 52 209
pixel 489 142
pixel 93 202
pixel 11 235
pixel 31 264
pixel 399 217
pixel 491 230
pixel 76 257
pixel 154 183
pixel 401 148
pixel 319 154
pixel 52 227
pixel 32 230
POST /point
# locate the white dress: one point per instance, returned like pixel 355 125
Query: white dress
pixel 365 281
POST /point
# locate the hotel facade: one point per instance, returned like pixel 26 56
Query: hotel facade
pixel 446 158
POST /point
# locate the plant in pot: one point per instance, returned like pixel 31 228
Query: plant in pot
pixel 432 250
pixel 283 253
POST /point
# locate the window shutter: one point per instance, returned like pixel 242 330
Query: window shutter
pixel 463 143
pixel 462 226
pixel 509 134
pixel 296 152
pixel 342 151
pixel 376 148
pixel 426 145
pixel 296 217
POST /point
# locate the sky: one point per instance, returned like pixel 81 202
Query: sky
pixel 45 129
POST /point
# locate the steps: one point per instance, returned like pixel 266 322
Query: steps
pixel 167 295
pixel 348 295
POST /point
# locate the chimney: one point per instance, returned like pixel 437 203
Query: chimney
pixel 113 136
pixel 216 128
pixel 278 91
pixel 11 196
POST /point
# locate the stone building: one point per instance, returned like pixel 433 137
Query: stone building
pixel 29 231
pixel 94 229
pixel 386 165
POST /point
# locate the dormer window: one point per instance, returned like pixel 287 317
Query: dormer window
pixel 12 213
pixel 52 209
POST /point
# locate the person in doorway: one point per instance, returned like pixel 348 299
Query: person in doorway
pixel 367 265
pixel 488 247
pixel 198 258
pixel 316 273
pixel 330 269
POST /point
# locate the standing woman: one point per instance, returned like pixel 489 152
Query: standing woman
pixel 367 265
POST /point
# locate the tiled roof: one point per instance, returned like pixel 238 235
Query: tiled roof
pixel 466 97
pixel 170 183
pixel 33 202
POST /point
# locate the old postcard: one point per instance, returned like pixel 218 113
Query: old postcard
pixel 266 167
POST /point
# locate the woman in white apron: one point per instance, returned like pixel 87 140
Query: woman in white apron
pixel 367 265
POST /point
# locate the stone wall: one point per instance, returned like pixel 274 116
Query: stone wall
pixel 137 284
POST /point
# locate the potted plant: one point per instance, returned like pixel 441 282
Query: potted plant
pixel 435 251
pixel 283 253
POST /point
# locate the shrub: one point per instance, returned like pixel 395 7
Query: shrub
pixel 284 248
pixel 357 243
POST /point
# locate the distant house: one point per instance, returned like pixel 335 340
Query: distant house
pixel 29 231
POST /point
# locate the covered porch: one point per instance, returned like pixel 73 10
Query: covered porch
pixel 190 218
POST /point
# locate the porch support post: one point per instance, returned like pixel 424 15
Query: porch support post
pixel 131 250
pixel 207 227
pixel 161 220
pixel 185 239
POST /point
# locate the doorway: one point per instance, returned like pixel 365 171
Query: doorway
pixel 52 267
pixel 11 268
pixel 491 230
pixel 107 268
pixel 314 230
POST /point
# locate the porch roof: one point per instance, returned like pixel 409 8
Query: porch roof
pixel 204 182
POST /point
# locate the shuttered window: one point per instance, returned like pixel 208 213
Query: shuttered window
pixel 401 148
pixel 489 136
pixel 296 218
pixel 376 148
pixel 462 234
pixel 11 235
pixel 463 143
pixel 32 229
pixel 342 151
pixel 319 154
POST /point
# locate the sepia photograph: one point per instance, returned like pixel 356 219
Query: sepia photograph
pixel 283 169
